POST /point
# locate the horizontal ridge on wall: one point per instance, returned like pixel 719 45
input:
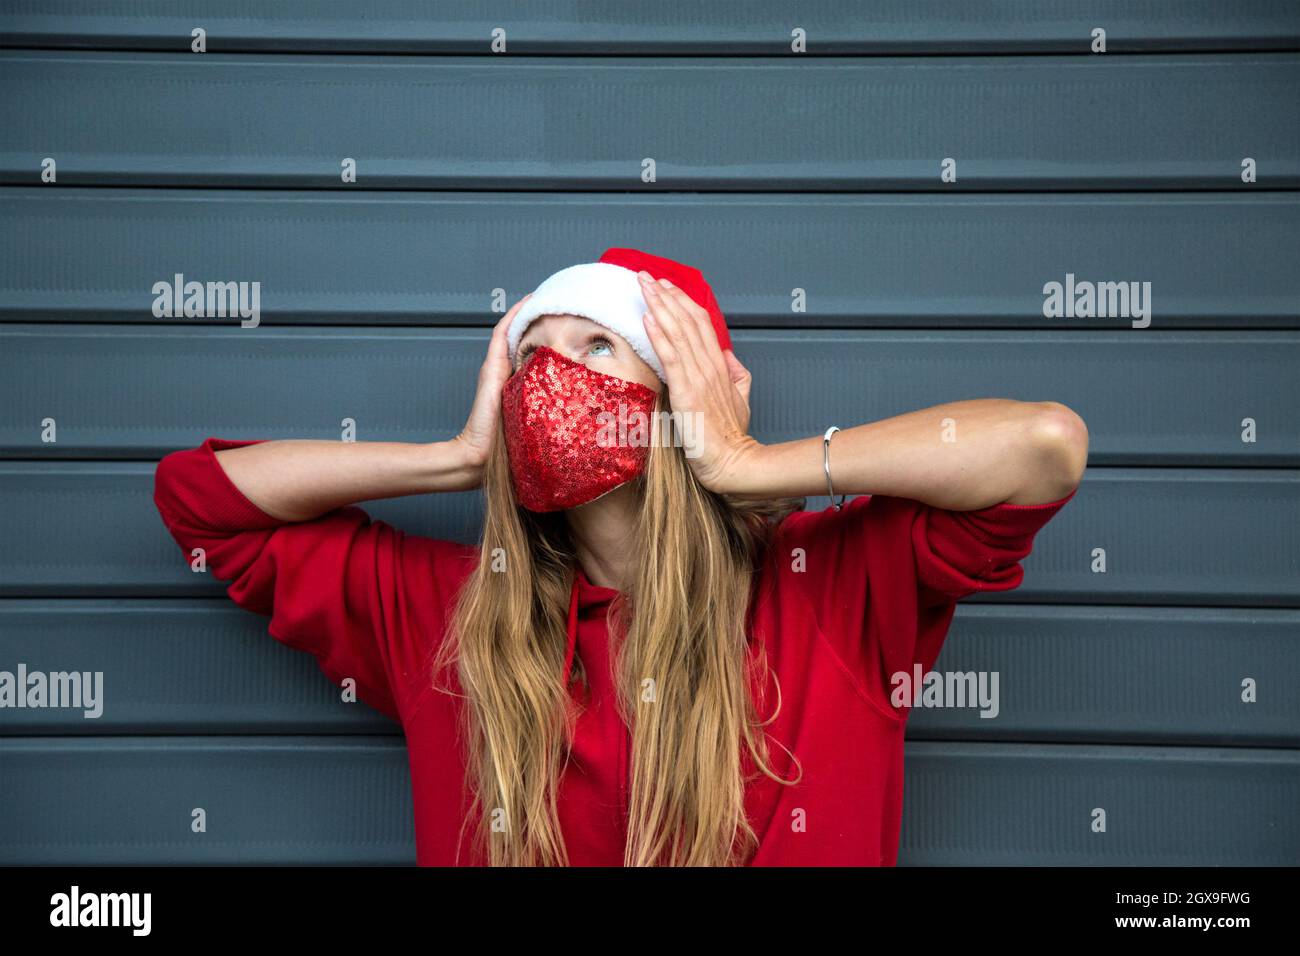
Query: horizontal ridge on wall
pixel 307 800
pixel 317 800
pixel 677 27
pixel 1210 537
pixel 749 124
pixel 137 392
pixel 1209 260
pixel 1077 674
pixel 1033 805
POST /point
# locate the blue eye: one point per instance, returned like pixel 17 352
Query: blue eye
pixel 599 342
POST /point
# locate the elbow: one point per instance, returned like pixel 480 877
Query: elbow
pixel 1061 440
pixel 164 486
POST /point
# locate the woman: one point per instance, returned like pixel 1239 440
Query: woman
pixel 660 659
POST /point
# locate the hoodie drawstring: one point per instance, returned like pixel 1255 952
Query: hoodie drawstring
pixel 572 631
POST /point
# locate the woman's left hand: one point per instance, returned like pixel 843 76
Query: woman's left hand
pixel 709 387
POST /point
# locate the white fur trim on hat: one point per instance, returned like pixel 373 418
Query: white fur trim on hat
pixel 607 294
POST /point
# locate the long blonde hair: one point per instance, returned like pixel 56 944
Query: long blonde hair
pixel 682 672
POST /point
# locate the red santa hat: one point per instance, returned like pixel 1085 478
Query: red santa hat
pixel 609 293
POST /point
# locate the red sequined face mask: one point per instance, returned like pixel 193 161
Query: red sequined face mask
pixel 566 431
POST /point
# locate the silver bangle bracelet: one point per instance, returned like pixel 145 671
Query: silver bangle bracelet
pixel 826 463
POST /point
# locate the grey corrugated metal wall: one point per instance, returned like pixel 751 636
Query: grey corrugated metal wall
pixel 776 171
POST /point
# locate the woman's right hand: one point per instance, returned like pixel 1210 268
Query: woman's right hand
pixel 479 430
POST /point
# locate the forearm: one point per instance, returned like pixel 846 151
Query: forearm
pixel 961 455
pixel 299 479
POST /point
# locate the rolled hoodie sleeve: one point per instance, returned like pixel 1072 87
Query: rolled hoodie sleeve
pixel 882 576
pixel 366 599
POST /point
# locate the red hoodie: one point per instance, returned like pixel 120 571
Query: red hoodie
pixel 844 600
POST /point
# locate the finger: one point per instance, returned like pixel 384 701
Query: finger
pixel 735 368
pixel 503 323
pixel 681 328
pixel 702 325
pixel 663 347
pixel 740 376
pixel 668 358
pixel 671 326
pixel 497 362
pixel 499 347
pixel 682 309
pixel 700 329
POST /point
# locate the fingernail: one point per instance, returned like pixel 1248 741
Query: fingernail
pixel 665 282
pixel 645 276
